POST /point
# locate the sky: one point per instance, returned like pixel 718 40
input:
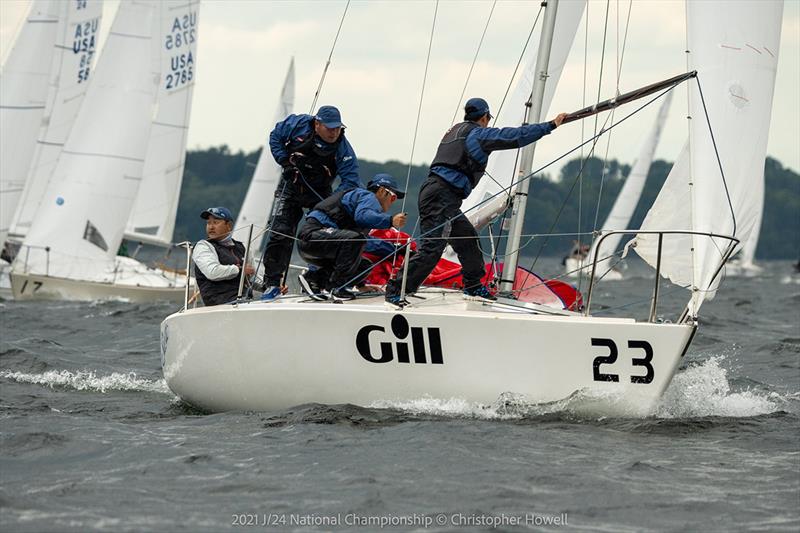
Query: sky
pixel 377 68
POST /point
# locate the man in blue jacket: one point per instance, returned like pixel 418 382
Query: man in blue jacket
pixel 313 151
pixel 335 234
pixel 457 167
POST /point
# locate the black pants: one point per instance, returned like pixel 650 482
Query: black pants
pixel 291 197
pixel 337 253
pixel 438 203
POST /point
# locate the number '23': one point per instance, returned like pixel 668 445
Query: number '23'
pixel 611 358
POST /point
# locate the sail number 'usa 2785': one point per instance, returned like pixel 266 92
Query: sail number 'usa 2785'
pixel 181 36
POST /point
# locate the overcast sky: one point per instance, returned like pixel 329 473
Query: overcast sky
pixel 376 73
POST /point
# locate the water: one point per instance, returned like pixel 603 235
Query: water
pixel 92 439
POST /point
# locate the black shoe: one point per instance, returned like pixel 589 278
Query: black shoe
pixel 343 293
pixel 480 292
pixel 311 288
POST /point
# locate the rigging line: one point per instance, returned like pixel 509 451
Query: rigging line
pixel 474 59
pixel 328 63
pixel 516 68
pixel 421 98
pixel 716 153
pixel 514 184
pixel 594 143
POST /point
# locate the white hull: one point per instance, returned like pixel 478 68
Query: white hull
pixel 5 280
pixel 737 268
pixel 285 353
pixel 573 266
pixel 40 287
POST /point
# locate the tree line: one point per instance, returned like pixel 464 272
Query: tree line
pixel 570 203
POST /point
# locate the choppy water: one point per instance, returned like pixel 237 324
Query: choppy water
pixel 92 439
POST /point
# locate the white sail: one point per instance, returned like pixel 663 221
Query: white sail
pixel 734 48
pixel 71 66
pixel 628 198
pixel 748 255
pixel 152 219
pixel 23 90
pixel 500 173
pixel 258 200
pixel 79 225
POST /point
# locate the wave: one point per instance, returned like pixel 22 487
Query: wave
pixel 84 380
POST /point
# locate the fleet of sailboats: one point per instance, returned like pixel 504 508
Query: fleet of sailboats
pixel 112 161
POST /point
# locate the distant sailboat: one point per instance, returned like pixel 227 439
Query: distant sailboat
pixel 152 218
pixel 70 250
pixel 258 200
pixel 622 211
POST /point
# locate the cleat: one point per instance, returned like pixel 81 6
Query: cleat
pixel 343 293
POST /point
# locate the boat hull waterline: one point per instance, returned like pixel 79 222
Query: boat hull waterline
pixel 277 355
pixel 39 287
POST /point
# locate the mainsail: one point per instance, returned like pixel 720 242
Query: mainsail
pixel 734 48
pixel 258 200
pixel 501 170
pixel 152 219
pixel 71 67
pixel 23 89
pixel 79 225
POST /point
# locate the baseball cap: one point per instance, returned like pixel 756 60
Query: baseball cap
pixel 386 181
pixel 476 108
pixel 222 213
pixel 329 116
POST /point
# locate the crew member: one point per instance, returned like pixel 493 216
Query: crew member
pixel 219 259
pixel 335 234
pixel 313 151
pixel 456 169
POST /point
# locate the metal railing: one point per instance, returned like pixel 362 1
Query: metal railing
pixel 733 242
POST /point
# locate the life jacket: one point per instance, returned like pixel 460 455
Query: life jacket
pixel 318 167
pixel 452 153
pixel 216 292
pixel 333 207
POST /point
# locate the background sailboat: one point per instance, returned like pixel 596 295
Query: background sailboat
pixel 624 206
pixel 70 250
pixel 258 200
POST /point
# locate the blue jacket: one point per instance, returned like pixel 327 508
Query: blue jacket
pixel 298 127
pixel 363 206
pixel 483 141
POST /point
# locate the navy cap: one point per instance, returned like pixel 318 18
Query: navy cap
pixel 386 181
pixel 329 116
pixel 222 213
pixel 476 108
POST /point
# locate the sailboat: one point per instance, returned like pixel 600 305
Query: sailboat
pixel 444 346
pixel 71 52
pixel 620 215
pixel 70 250
pixel 258 200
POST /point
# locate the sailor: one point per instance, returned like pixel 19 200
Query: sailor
pixel 335 234
pixel 313 151
pixel 456 169
pixel 219 258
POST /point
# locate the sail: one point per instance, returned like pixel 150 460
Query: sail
pixel 71 67
pixel 23 90
pixel 79 225
pixel 152 219
pixel 258 201
pixel 500 173
pixel 748 254
pixel 734 48
pixel 628 198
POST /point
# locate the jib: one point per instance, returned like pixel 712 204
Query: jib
pixel 400 330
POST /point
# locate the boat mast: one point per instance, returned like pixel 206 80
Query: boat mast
pixel 533 114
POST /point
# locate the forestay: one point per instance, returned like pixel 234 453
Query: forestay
pixel 258 200
pixel 152 219
pixel 502 164
pixel 23 89
pixel 734 48
pixel 97 175
pixel 73 57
